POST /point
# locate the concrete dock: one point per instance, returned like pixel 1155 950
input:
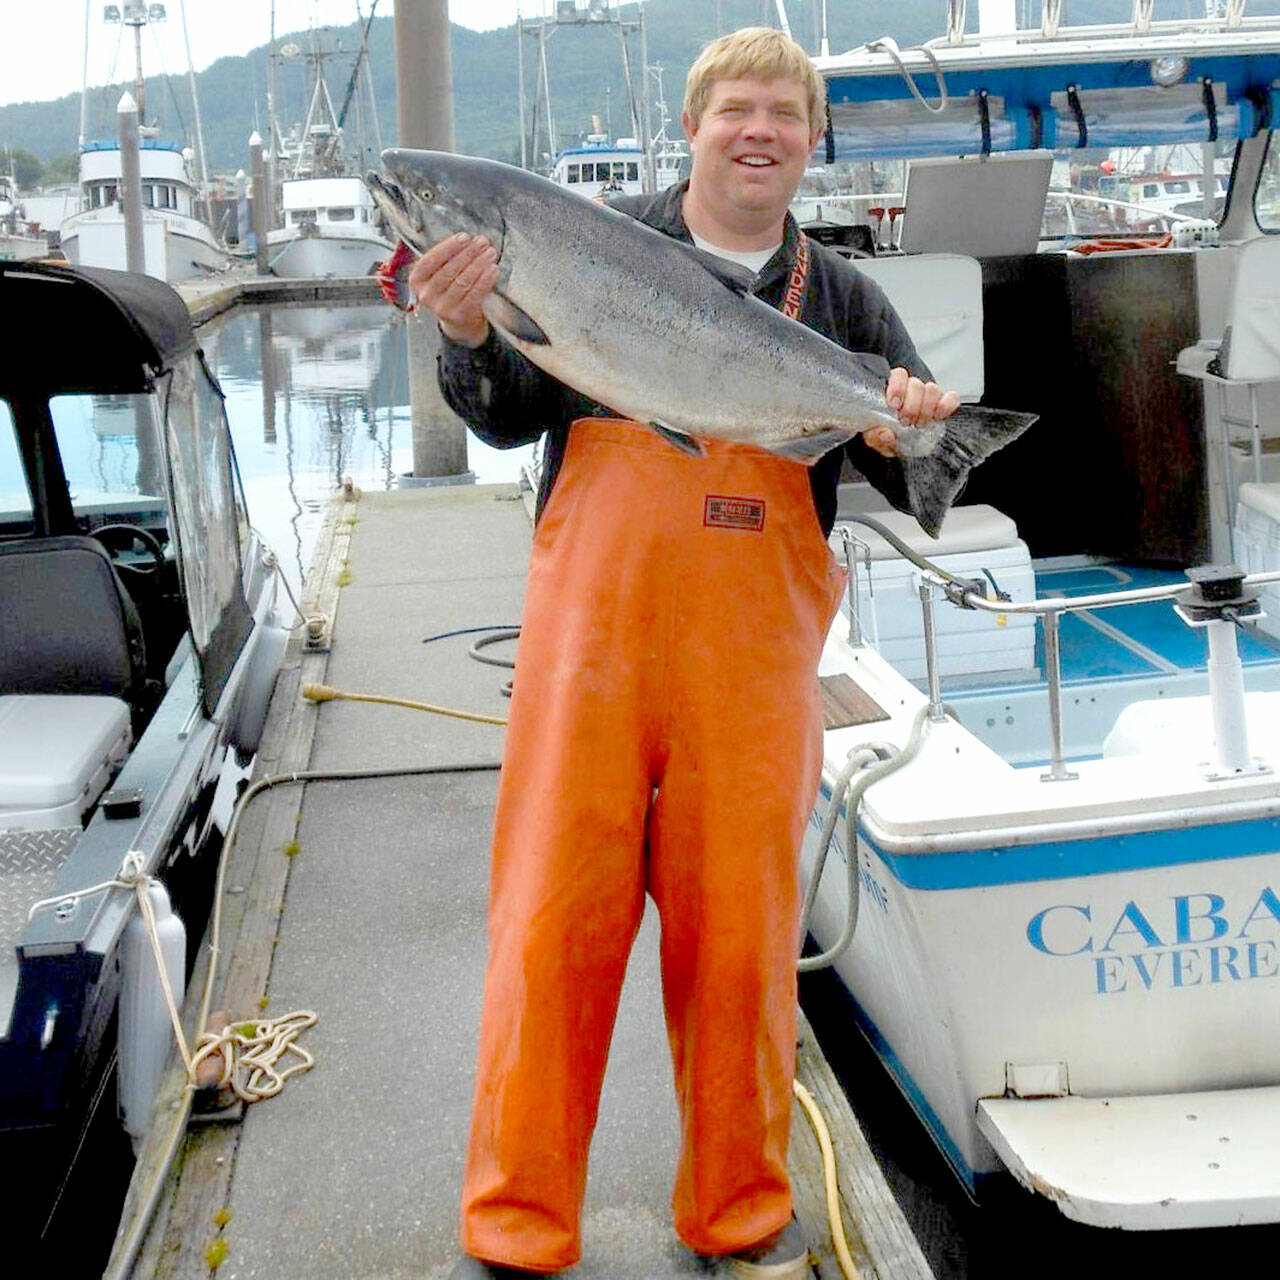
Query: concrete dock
pixel 364 901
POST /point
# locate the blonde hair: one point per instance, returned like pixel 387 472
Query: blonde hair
pixel 762 53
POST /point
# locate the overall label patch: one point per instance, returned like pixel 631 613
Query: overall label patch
pixel 733 513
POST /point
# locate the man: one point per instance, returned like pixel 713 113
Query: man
pixel 665 735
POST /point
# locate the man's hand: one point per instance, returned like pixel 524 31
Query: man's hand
pixel 917 404
pixel 451 281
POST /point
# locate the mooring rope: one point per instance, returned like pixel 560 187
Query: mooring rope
pixel 250 1050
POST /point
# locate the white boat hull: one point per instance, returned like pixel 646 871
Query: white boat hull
pixel 175 247
pixel 18 248
pixel 325 253
pixel 1106 936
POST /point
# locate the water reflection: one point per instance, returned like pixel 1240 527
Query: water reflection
pixel 316 394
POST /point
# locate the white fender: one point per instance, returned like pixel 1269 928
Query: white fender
pixel 145 1032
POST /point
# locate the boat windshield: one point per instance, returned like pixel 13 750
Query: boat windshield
pixel 1118 131
pixel 110 452
pixel 17 514
pixel 210 517
pixel 1114 192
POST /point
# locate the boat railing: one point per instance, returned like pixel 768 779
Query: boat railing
pixel 1197 607
pixel 1143 23
pixel 1106 204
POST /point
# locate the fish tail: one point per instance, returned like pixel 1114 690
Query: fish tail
pixel 973 433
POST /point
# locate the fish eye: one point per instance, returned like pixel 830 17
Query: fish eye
pixel 426 195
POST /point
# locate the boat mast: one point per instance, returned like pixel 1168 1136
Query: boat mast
pixel 274 145
pixel 135 16
pixel 524 150
pixel 84 79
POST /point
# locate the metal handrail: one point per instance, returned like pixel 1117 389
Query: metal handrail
pixel 1050 610
pixel 1075 604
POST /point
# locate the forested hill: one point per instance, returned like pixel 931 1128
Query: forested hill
pixel 585 70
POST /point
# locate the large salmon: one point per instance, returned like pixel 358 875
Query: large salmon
pixel 664 333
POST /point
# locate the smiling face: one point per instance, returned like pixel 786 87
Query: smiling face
pixel 750 147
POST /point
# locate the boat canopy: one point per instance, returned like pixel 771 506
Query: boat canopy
pixel 86 331
pixel 1102 87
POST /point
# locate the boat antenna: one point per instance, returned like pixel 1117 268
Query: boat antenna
pixel 782 18
pixel 824 46
pixel 195 103
pixel 360 57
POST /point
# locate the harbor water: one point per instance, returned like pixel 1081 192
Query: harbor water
pixel 318 395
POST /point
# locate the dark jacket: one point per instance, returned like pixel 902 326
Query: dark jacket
pixel 508 401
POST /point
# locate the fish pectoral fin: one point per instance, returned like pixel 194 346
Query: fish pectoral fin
pixel 809 448
pixel 504 313
pixel 679 439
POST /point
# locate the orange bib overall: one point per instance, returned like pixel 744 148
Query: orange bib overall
pixel 665 736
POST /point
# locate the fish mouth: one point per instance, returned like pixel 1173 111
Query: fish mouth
pixel 390 198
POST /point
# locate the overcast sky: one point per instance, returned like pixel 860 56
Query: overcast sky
pixel 42 42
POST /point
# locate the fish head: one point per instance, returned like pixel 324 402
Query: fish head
pixel 426 196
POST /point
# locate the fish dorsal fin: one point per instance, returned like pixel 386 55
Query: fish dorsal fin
pixel 509 317
pixel 731 274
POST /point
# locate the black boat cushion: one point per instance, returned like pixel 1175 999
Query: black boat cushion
pixel 67 625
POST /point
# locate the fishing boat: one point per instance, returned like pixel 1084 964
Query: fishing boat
pixel 20 237
pixel 178 243
pixel 139 644
pixel 330 227
pixel 598 168
pixel 1045 860
pixel 596 164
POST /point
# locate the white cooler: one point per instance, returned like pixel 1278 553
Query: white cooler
pixel 58 752
pixel 968 641
pixel 1257 545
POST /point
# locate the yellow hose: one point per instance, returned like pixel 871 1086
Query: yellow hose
pixel 811 1109
pixel 323 693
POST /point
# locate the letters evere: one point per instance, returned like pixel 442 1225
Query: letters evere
pixel 1190 940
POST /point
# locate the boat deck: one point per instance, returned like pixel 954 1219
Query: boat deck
pixel 1110 657
pixel 1139 639
pixel 365 902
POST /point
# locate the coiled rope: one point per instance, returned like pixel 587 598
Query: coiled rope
pixel 250 1051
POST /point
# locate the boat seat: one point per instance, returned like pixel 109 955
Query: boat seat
pixel 1248 354
pixel 964 530
pixel 58 752
pixel 68 625
pixel 938 296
